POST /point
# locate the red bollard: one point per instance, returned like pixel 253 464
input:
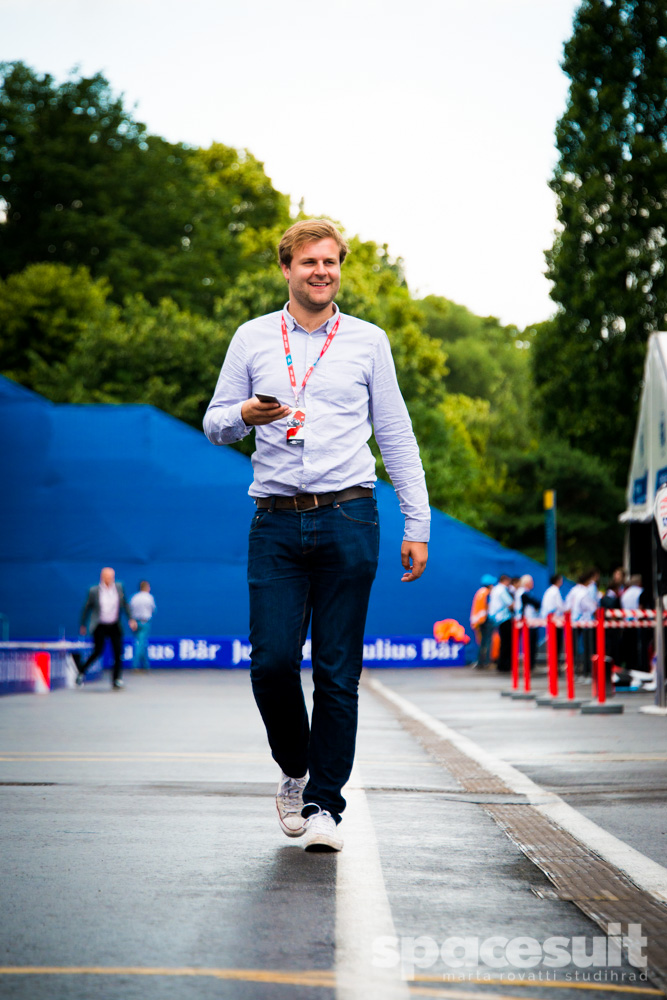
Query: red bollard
pixel 515 655
pixel 601 671
pixel 526 656
pixel 569 655
pixel 602 706
pixel 552 656
pixel 519 630
pixel 43 668
pixel 571 701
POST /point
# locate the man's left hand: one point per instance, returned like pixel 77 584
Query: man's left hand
pixel 132 623
pixel 414 556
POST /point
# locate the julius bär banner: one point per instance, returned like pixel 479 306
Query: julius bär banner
pixel 234 652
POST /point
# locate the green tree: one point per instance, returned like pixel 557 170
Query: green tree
pixel 84 183
pixel 44 311
pixel 139 353
pixel 488 361
pixel 588 505
pixel 608 259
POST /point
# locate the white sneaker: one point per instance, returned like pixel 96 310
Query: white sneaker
pixel 321 833
pixel 289 803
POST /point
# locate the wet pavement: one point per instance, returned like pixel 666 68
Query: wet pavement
pixel 141 857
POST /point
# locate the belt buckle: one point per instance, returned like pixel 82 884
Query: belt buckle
pixel 304 495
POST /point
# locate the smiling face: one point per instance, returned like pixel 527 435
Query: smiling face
pixel 314 275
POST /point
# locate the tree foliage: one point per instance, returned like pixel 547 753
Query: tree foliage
pixel 588 505
pixel 85 184
pixel 608 259
pixel 44 310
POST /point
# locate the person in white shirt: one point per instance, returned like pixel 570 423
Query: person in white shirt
pixel 525 607
pixel 142 608
pixel 552 601
pixel 501 602
pixel 314 384
pixel 553 604
pixel 102 612
pixel 583 601
pixel 630 597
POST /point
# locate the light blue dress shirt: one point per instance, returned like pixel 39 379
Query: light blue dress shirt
pixel 352 392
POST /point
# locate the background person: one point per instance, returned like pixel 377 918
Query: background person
pixel 501 603
pixel 527 606
pixel 142 609
pixel 552 601
pixel 614 637
pixel 582 602
pixel 553 604
pixel 630 597
pixel 102 611
pixel 480 621
pixel 617 583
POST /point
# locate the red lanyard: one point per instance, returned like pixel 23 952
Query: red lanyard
pixel 290 363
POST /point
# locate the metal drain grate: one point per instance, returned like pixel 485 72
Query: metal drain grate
pixel 579 875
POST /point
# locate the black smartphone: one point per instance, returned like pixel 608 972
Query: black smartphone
pixel 264 397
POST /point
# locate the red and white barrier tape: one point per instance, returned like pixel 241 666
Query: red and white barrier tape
pixel 613 619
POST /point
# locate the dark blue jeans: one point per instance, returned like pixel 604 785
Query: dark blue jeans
pixel 311 567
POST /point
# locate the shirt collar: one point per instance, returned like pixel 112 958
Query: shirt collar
pixel 292 324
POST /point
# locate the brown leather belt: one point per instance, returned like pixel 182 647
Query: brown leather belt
pixel 310 501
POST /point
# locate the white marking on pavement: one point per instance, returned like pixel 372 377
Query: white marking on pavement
pixel 362 907
pixel 648 875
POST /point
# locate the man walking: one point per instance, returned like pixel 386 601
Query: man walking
pixel 142 608
pixel 314 540
pixel 103 606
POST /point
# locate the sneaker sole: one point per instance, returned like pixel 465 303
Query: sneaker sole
pixel 322 849
pixel 323 846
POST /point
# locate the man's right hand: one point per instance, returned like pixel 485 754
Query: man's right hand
pixel 254 413
pixel 82 630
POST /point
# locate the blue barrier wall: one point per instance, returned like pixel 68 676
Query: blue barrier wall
pixel 133 488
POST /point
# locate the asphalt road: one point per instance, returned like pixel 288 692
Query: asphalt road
pixel 141 857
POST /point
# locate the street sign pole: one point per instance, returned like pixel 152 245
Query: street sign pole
pixel 550 529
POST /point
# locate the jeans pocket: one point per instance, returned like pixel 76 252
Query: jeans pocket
pixel 257 519
pixel 360 511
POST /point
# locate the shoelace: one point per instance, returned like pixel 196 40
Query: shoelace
pixel 291 792
pixel 319 816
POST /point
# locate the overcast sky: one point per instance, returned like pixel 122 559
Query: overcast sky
pixel 424 124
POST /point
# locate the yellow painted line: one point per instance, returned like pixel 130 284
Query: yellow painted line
pixel 312 977
pixel 535 983
pixel 323 978
pixel 421 991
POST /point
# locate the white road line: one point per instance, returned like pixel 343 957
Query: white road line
pixel 362 907
pixel 648 875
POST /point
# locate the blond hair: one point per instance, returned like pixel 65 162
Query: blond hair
pixel 308 231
